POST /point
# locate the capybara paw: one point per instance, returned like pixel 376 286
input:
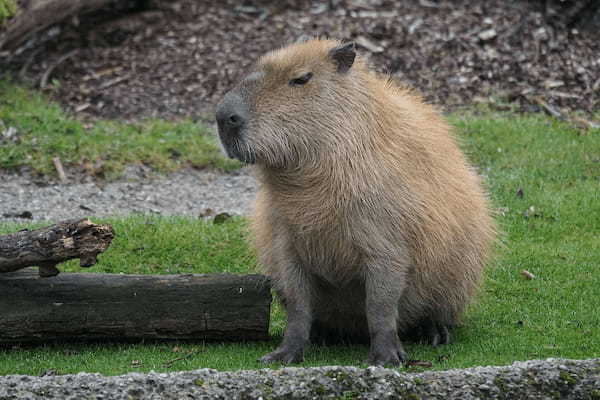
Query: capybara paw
pixel 392 355
pixel 283 356
pixel 438 334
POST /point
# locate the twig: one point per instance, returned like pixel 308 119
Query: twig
pixel 27 64
pixel 576 121
pixel 51 68
pixel 102 72
pixel 170 363
pixel 419 363
pixel 549 109
pixel 369 45
pixel 59 169
pixel 113 82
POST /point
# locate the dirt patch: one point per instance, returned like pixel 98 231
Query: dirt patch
pixel 173 59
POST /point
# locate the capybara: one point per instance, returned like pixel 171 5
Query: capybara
pixel 370 222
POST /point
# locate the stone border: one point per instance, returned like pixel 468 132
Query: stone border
pixel 536 379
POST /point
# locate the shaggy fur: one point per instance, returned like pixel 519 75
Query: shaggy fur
pixel 364 190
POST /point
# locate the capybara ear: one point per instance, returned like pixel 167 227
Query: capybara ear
pixel 303 38
pixel 343 55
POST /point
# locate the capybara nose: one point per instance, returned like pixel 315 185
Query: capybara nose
pixel 229 121
pixel 231 116
pixel 234 120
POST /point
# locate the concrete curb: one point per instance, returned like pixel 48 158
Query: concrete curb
pixel 536 379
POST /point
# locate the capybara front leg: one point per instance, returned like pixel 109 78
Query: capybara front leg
pixel 298 304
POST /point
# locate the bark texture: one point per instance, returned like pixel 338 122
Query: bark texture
pixel 46 247
pixel 34 15
pixel 133 307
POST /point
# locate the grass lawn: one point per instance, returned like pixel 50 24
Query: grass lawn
pixel 102 148
pixel 544 178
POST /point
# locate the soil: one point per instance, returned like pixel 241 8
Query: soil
pixel 156 58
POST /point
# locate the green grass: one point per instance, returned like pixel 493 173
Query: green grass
pixel 8 8
pixel 557 314
pixel 103 148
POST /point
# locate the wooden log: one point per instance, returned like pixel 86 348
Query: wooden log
pixel 34 15
pixel 46 247
pixel 133 307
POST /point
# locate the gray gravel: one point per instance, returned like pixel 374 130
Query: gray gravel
pixel 550 379
pixel 188 192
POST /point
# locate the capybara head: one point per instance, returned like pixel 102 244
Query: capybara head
pixel 296 103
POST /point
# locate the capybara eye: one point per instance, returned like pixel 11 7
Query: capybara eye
pixel 301 80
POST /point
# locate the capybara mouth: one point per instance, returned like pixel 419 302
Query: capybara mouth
pixel 245 156
pixel 239 150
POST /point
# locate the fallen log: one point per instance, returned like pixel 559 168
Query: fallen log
pixel 46 247
pixel 34 15
pixel 133 307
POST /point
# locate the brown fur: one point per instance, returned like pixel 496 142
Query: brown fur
pixel 355 168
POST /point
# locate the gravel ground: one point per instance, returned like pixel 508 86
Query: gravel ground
pixel 553 378
pixel 187 192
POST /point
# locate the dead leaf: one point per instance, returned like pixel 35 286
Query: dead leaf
pixel 49 372
pixel 443 357
pixel 551 83
pixel 503 211
pixel 531 212
pixel 207 212
pixel 520 193
pixel 8 134
pixel 221 218
pixel 24 215
pixel 527 274
pixel 585 123
pixel 86 208
pixel 487 34
pixel 82 107
pixel 419 363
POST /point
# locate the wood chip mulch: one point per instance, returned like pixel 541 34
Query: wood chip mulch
pixel 177 58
